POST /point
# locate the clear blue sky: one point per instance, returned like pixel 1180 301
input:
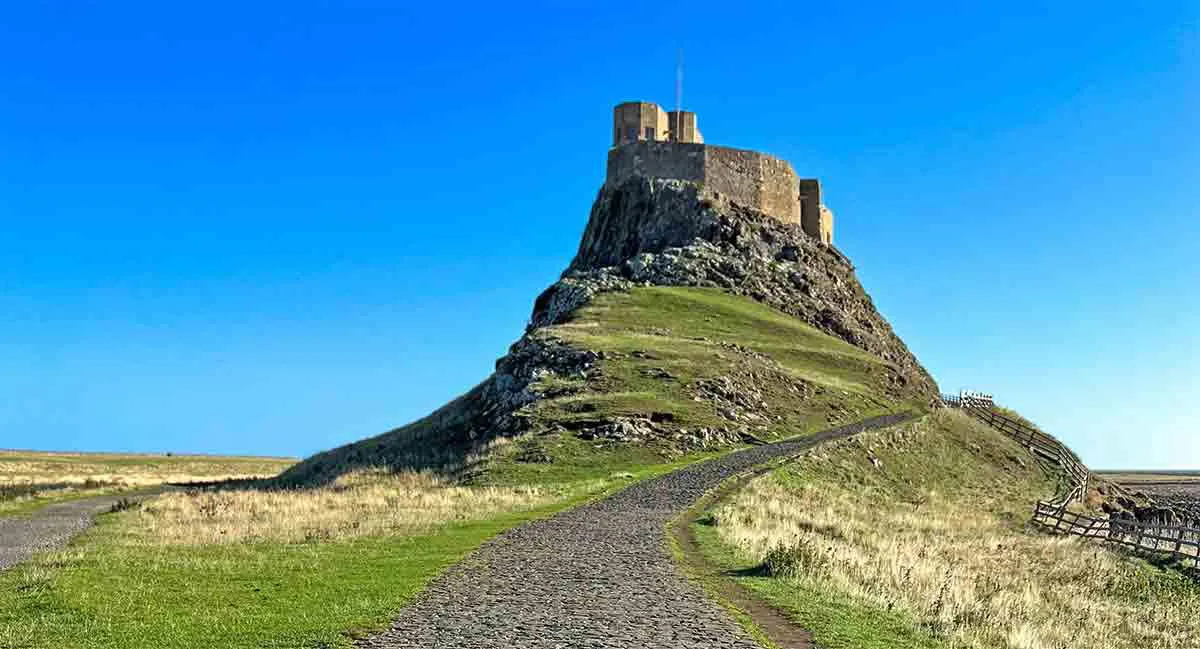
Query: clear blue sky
pixel 277 227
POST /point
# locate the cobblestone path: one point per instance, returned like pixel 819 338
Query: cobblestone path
pixel 49 528
pixel 599 576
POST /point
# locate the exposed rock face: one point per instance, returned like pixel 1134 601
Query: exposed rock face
pixel 662 232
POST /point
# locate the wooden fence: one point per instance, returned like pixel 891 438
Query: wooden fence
pixel 1179 542
pixel 1043 446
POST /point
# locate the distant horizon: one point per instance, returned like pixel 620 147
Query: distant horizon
pixel 270 230
pixel 145 453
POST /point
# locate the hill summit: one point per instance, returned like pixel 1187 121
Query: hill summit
pixel 687 320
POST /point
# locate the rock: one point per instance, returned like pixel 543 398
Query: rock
pixel 659 232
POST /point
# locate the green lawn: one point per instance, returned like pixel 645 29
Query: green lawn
pixel 265 595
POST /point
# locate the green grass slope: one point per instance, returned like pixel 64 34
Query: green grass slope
pixel 917 536
pixel 689 369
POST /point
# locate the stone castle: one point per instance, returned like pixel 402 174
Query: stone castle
pixel 653 143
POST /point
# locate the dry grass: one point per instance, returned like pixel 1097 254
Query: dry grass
pixel 939 537
pixel 27 467
pixel 27 476
pixel 363 503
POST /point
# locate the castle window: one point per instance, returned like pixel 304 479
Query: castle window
pixel 649 132
pixel 631 133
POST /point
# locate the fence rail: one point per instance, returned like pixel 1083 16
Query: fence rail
pixel 1180 542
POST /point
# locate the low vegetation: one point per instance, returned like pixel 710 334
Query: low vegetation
pixel 916 537
pixel 29 479
pixel 366 503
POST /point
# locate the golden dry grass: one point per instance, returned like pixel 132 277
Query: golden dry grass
pixel 29 475
pixel 27 467
pixel 364 503
pixel 925 532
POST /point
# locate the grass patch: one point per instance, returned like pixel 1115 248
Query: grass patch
pixel 100 595
pixel 916 536
pixel 837 621
pixel 659 345
pixel 32 479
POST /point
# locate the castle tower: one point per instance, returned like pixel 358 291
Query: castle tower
pixel 683 127
pixel 815 218
pixel 639 121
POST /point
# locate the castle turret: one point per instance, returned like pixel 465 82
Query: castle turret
pixel 683 127
pixel 635 121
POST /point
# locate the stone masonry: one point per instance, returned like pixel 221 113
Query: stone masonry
pixel 653 144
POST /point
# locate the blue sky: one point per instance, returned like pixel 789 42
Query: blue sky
pixel 277 227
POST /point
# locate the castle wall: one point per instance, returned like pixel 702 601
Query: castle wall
pixel 734 174
pixel 755 179
pixel 749 178
pixel 779 192
pixel 656 160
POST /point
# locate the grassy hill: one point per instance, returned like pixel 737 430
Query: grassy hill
pixel 916 536
pixel 669 371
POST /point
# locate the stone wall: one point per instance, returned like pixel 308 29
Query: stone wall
pixel 779 195
pixel 748 178
pixel 656 160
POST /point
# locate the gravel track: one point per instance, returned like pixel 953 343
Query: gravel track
pixel 598 576
pixel 49 527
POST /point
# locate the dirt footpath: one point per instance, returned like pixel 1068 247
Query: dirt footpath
pixel 50 527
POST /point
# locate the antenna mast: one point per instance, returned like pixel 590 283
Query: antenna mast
pixel 678 96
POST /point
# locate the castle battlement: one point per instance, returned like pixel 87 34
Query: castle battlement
pixel 651 143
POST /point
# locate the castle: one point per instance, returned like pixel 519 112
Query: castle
pixel 653 143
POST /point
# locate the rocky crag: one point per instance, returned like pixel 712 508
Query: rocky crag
pixel 646 232
pixel 660 232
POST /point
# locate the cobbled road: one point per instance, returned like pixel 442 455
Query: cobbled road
pixel 48 528
pixel 599 576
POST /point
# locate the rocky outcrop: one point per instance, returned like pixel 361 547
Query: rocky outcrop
pixel 662 232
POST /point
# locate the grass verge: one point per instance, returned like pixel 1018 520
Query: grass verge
pixel 916 537
pixel 114 589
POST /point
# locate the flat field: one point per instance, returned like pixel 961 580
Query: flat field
pixel 1177 489
pixel 29 479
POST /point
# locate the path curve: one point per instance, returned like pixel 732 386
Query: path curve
pixel 50 527
pixel 599 576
